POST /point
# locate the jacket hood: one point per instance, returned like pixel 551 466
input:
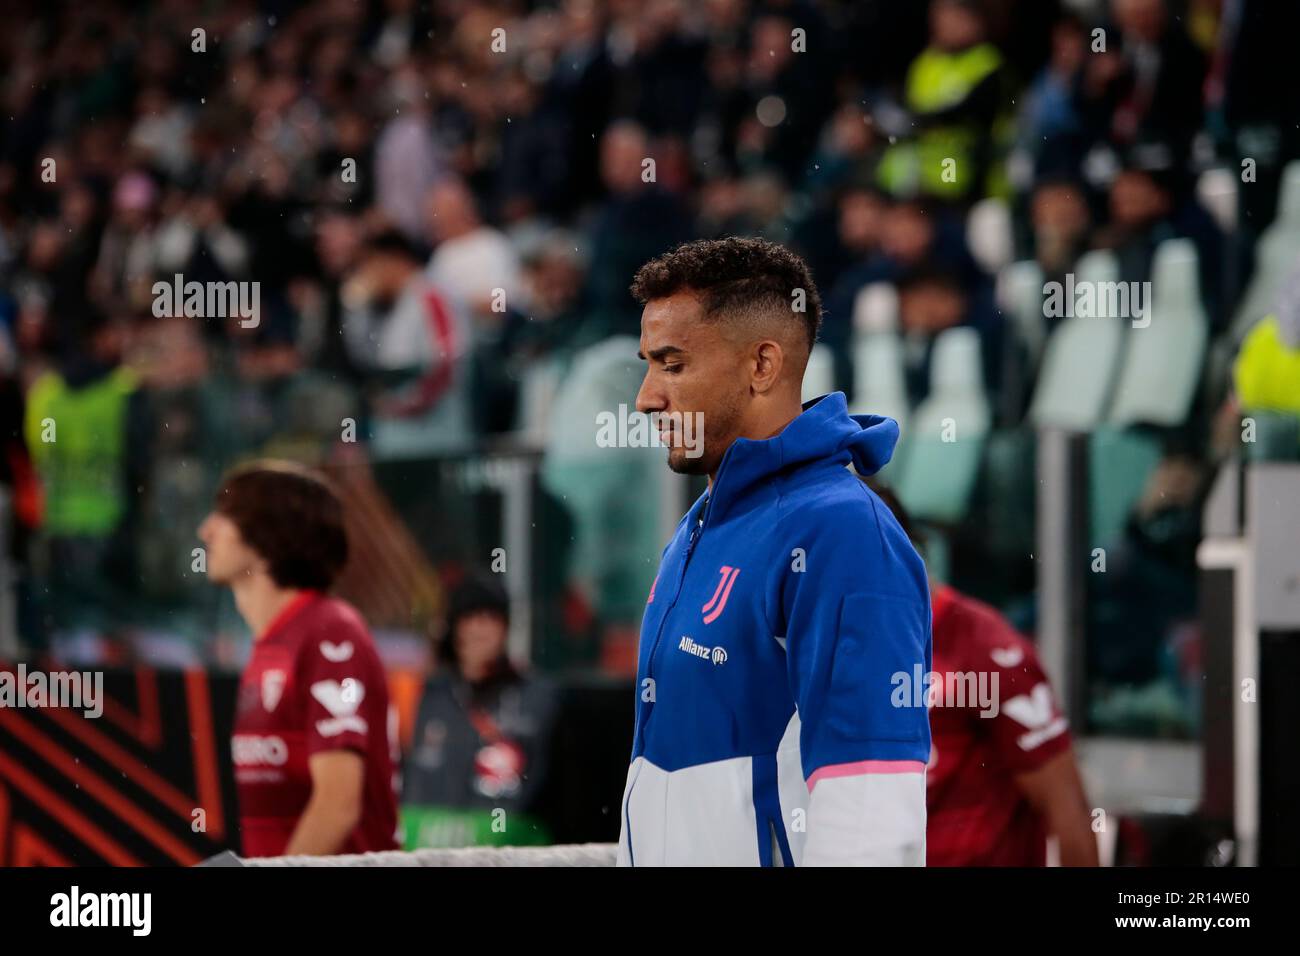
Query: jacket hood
pixel 825 431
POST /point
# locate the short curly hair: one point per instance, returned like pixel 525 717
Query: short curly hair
pixel 735 275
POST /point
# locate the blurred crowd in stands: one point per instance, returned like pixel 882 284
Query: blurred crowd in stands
pixel 443 204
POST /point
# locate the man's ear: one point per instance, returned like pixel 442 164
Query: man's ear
pixel 768 362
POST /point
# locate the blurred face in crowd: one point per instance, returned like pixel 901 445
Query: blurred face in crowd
pixel 555 279
pixel 770 49
pixel 954 26
pixel 229 558
pixel 907 233
pixel 1069 47
pixel 1137 200
pixel 109 342
pixel 1059 212
pixel 78 207
pixel 862 216
pixel 450 211
pixel 621 153
pixel 1143 19
pixel 338 238
pixel 480 642
pixel 386 273
pixel 851 131
pixel 351 133
pixel 44 246
pixel 930 307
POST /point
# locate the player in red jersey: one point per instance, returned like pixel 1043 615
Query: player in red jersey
pixel 1000 778
pixel 313 764
pixel 1002 774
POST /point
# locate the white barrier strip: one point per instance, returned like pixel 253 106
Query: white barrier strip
pixel 577 854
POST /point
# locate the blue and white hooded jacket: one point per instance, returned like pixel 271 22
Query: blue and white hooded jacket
pixel 786 603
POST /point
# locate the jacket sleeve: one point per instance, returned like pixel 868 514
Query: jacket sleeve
pixel 857 627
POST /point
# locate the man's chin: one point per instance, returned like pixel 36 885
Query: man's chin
pixel 680 463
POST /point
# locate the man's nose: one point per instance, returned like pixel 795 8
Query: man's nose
pixel 648 398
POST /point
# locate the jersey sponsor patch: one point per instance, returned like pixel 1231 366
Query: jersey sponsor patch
pixel 272 688
pixel 1007 656
pixel 341 699
pixel 258 750
pixel 1036 711
pixel 336 653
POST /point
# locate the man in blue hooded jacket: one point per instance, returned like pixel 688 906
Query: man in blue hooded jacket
pixel 789 608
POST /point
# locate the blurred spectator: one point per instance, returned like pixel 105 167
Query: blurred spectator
pixel 482 736
pixel 411 341
pixel 1267 371
pixel 471 261
pixel 1147 592
pixel 407 158
pixel 953 94
pixel 1145 210
pixel 1147 87
pixel 124 270
pixel 533 336
pixel 1060 222
pixel 85 427
pixel 911 237
pixel 1253 110
pixel 930 301
pixel 637 222
pixel 1051 130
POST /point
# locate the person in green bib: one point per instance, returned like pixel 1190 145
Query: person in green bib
pixel 953 95
pixel 81 425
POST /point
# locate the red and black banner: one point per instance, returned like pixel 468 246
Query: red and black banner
pixel 145 783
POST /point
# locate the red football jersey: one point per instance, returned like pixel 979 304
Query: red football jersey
pixel 976 814
pixel 314 683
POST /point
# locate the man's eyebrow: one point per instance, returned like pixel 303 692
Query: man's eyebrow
pixel 659 353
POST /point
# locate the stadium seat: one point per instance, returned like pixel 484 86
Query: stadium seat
pixel 1081 360
pixel 1020 297
pixel 956 366
pixel 1163 361
pixel 819 377
pixel 537 390
pixel 1275 255
pixel 602 377
pixel 988 234
pixel 881 388
pixel 1119 462
pixel 1216 189
pixel 878 373
pixel 875 308
pixel 939 466
pixel 604 489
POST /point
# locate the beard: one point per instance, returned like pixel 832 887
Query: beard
pixel 679 463
pixel 704 455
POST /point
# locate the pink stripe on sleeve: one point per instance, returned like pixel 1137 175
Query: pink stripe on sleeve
pixel 864 767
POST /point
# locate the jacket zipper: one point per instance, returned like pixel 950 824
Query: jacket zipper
pixel 681 579
pixel 650 666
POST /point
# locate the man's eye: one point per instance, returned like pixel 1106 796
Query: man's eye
pixel 673 369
